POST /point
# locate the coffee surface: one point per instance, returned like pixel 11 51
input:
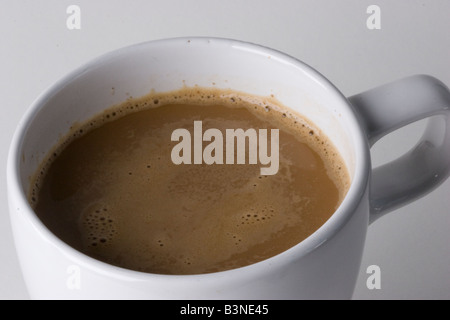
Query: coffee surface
pixel 112 191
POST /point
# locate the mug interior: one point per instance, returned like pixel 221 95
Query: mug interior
pixel 172 64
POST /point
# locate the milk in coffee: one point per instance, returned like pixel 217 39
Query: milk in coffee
pixel 111 189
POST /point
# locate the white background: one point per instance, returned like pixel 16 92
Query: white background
pixel 411 245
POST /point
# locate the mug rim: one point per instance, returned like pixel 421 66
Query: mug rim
pixel 323 234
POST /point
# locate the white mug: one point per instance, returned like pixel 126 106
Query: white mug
pixel 323 266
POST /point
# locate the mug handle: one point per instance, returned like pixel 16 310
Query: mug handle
pixel 394 105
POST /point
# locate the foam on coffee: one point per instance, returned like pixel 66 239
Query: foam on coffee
pixel 120 199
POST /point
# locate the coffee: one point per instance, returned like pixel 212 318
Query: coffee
pixel 111 190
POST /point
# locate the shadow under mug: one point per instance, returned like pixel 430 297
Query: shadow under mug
pixel 323 266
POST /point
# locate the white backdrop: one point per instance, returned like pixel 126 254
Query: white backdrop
pixel 411 246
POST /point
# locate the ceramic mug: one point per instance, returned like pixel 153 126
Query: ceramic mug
pixel 323 266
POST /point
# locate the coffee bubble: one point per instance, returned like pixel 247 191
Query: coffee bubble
pixel 98 227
